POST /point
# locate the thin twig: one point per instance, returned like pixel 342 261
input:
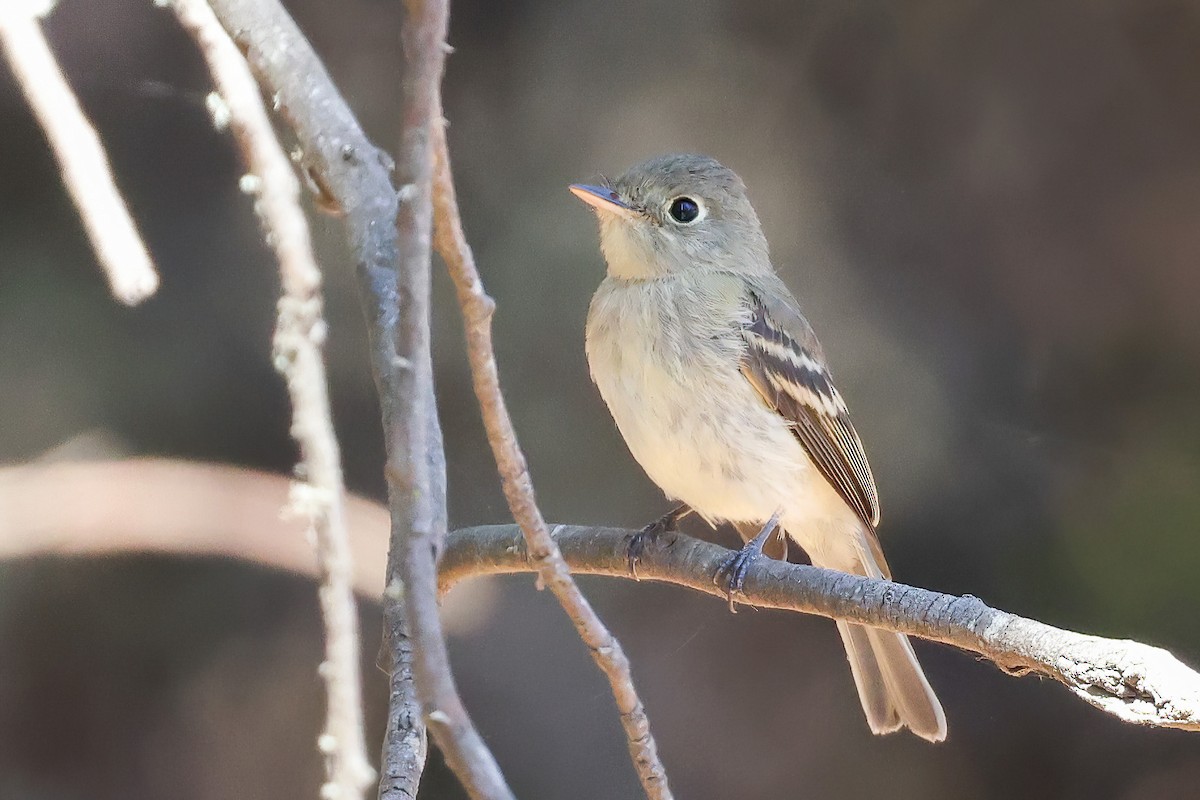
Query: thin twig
pixel 354 176
pixel 1133 681
pixel 552 570
pixel 319 495
pixel 81 159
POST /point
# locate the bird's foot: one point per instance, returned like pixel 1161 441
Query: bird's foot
pixel 649 536
pixel 732 572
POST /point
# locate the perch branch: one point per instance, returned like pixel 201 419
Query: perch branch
pixel 150 505
pixel 320 494
pixel 1132 681
pixel 81 159
pixel 353 176
pixel 552 570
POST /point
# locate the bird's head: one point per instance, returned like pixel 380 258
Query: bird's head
pixel 675 214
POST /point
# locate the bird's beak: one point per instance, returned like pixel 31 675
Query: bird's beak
pixel 602 199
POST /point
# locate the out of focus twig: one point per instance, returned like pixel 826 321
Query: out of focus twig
pixel 552 570
pixel 191 509
pixel 354 176
pixel 1132 681
pixel 81 159
pixel 319 495
pixel 185 508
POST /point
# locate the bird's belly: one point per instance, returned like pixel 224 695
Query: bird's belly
pixel 698 468
pixel 702 433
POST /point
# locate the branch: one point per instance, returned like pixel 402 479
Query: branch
pixel 152 505
pixel 552 570
pixel 190 509
pixel 185 508
pixel 85 170
pixel 354 176
pixel 417 464
pixel 1132 681
pixel 319 496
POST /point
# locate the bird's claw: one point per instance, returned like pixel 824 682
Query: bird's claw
pixel 732 572
pixel 647 536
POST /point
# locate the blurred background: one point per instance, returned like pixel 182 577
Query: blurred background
pixel 989 212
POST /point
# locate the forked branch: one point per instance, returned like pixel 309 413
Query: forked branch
pixel 353 176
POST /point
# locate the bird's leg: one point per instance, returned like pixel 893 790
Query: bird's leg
pixel 733 569
pixel 650 533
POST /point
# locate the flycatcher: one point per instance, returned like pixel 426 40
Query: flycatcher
pixel 719 386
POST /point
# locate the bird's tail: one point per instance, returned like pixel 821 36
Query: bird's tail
pixel 893 689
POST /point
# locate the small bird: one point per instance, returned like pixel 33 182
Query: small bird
pixel 720 389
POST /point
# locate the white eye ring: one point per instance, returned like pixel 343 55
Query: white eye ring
pixel 686 210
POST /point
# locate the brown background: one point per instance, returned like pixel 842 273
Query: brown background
pixel 989 212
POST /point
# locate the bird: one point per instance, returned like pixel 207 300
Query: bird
pixel 721 391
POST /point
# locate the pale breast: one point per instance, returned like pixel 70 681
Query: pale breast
pixel 665 359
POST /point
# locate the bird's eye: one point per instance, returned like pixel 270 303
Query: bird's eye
pixel 684 210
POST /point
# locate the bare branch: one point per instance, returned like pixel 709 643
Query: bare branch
pixel 417 434
pixel 552 570
pixel 319 495
pixel 81 159
pixel 143 505
pixel 1133 681
pixel 191 509
pixel 353 174
pixel 187 508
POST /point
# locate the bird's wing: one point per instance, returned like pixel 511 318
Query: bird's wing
pixel 783 362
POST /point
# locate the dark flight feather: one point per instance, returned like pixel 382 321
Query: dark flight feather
pixel 783 362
